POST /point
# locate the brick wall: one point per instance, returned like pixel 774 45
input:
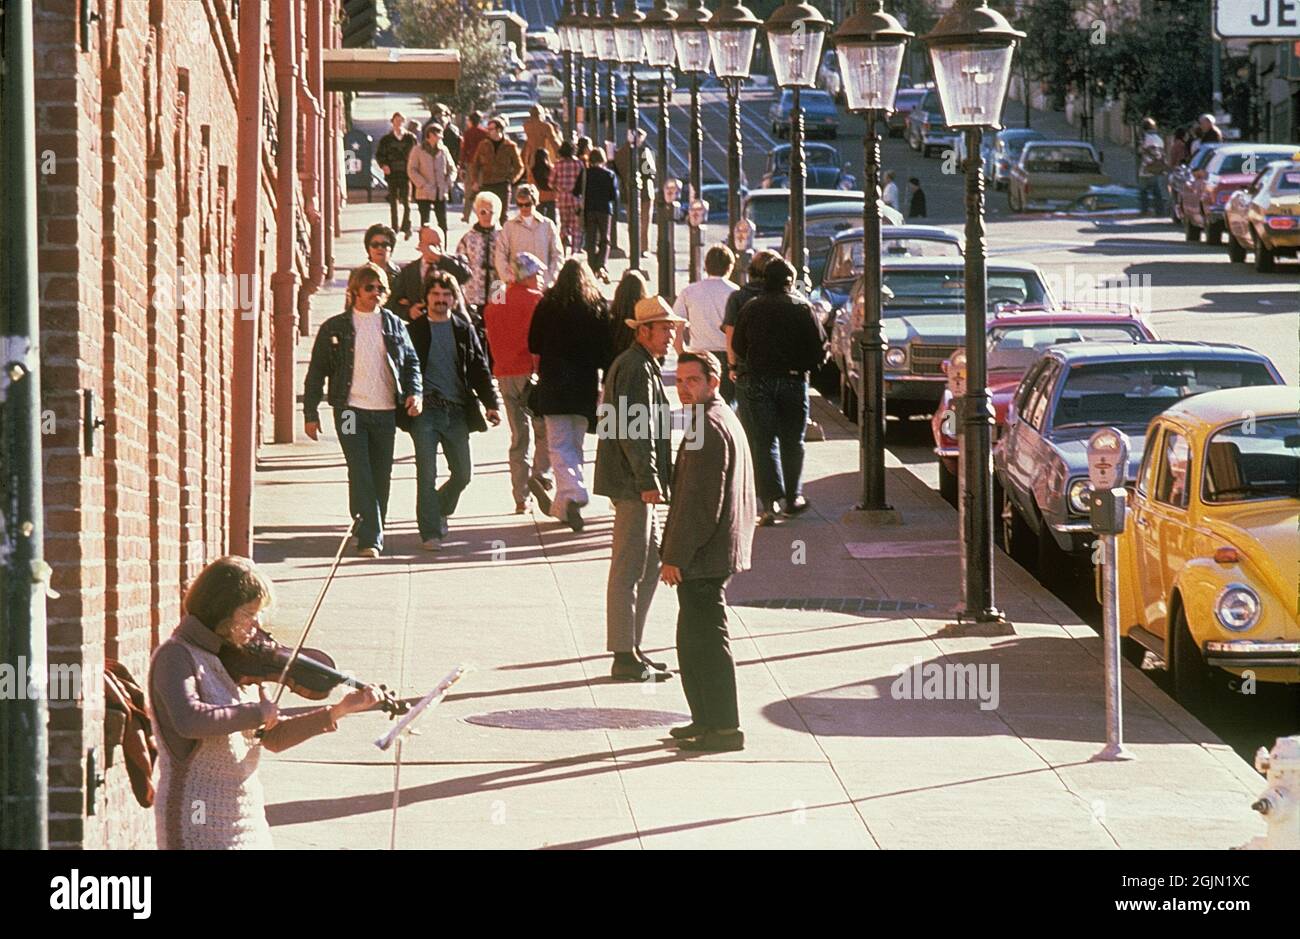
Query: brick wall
pixel 136 204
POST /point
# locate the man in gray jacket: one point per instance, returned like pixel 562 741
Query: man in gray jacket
pixel 707 538
pixel 633 468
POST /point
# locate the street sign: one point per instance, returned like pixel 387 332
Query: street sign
pixel 1257 19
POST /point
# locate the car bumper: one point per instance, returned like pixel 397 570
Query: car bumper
pixel 914 388
pixel 938 140
pixel 1282 241
pixel 1251 653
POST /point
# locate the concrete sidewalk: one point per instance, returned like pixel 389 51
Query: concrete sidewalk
pixel 537 747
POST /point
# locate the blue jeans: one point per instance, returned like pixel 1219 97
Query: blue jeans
pixel 776 417
pixel 434 426
pixel 367 439
pixel 1149 186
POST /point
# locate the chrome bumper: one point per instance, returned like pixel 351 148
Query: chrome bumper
pixel 1251 653
pixel 1072 527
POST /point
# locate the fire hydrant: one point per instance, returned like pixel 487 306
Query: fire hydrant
pixel 1280 802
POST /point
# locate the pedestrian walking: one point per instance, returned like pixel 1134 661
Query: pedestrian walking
pixel 890 196
pixel 477 247
pixel 391 154
pixel 623 167
pixel 598 189
pixel 380 241
pixel 204 721
pixel 707 539
pixel 456 382
pixel 632 289
pixel 634 468
pixel 513 365
pixel 540 176
pixel 366 356
pixel 1151 169
pixel 750 289
pixel 563 178
pixel 409 289
pixel 916 203
pixel 531 232
pixel 451 136
pixel 473 136
pixel 704 306
pixel 1207 132
pixel 496 163
pixel 780 340
pixel 539 134
pixel 569 336
pixel 433 173
pixel 1178 152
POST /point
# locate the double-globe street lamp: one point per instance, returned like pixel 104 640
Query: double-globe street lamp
pixel 971 50
pixel 692 41
pixel 586 91
pixel 631 52
pixel 604 28
pixel 795 33
pixel 732 31
pixel 657 35
pixel 870 46
pixel 564 27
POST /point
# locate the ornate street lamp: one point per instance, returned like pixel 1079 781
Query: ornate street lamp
pixel 564 26
pixel 732 31
pixel 631 52
pixel 971 50
pixel 587 42
pixel 607 50
pixel 870 46
pixel 795 33
pixel 657 34
pixel 692 40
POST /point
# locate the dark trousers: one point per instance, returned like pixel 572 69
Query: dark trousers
pixel 776 416
pixel 704 653
pixel 596 237
pixel 367 439
pixel 439 212
pixel 399 192
pixel 502 191
pixel 436 426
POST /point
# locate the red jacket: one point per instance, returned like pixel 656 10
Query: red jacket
pixel 469 142
pixel 507 330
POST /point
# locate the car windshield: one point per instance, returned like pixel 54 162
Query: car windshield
pixel 1257 459
pixel 1015 348
pixel 1253 162
pixel 1061 160
pixel 1132 392
pixel 946 289
pixel 1287 181
pixel 813 156
pixel 1201 157
pixel 768 215
pixel 846 259
pixel 1014 143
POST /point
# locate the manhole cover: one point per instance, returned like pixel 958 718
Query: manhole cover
pixel 837 604
pixel 577 719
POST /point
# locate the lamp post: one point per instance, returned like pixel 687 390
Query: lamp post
pixel 971 50
pixel 870 45
pixel 692 41
pixel 607 50
pixel 564 26
pixel 591 92
pixel 795 33
pixel 631 52
pixel 657 37
pixel 732 31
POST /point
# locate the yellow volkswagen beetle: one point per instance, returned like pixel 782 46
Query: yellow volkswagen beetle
pixel 1265 216
pixel 1209 562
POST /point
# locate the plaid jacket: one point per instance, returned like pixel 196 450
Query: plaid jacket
pixel 563 178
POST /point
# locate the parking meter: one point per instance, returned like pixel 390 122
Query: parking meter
pixel 1108 451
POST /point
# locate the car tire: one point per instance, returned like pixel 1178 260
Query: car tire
pixel 1263 256
pixel 1053 565
pixel 1192 679
pixel 1236 253
pixel 1214 233
pixel 848 399
pixel 1175 212
pixel 1012 203
pixel 1191 232
pixel 947 484
pixel 1018 539
pixel 999 184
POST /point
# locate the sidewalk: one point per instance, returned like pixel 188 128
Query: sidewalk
pixel 537 747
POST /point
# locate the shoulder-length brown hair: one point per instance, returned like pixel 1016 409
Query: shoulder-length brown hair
pixel 223 587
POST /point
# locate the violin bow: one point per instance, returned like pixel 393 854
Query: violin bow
pixel 311 619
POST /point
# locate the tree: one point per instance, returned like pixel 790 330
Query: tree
pixel 1055 50
pixel 1161 63
pixel 460 25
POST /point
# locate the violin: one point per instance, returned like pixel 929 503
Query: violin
pixel 312 673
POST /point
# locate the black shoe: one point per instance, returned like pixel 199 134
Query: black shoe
pixel 767 520
pixel 799 505
pixel 714 742
pixel 658 666
pixel 538 488
pixel 689 730
pixel 573 516
pixel 636 671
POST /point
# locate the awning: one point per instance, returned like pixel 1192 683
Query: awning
pixel 418 71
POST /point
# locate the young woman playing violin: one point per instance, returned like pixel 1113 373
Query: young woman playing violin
pixel 209 795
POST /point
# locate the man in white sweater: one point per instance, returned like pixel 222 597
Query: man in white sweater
pixel 528 231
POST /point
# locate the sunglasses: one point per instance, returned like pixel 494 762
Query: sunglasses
pixel 523 205
pixel 372 288
pixel 387 245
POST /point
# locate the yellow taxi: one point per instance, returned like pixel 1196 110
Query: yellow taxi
pixel 1209 562
pixel 1265 216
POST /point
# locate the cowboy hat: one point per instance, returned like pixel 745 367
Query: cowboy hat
pixel 653 310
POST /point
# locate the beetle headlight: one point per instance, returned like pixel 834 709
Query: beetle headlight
pixel 1078 494
pixel 1237 608
pixel 896 357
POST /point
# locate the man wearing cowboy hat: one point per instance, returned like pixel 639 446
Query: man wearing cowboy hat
pixel 633 468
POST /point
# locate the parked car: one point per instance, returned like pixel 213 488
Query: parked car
pixel 820 116
pixel 1041 460
pixel 1180 176
pixel 714 192
pixel 544 40
pixel 904 102
pixel 926 128
pixel 1265 216
pixel 824 168
pixel 1208 560
pixel 1016 339
pixel 923 313
pixel 1105 202
pixel 513 101
pixel 768 210
pixel 648 80
pixel 550 91
pixel 1053 173
pixel 1005 152
pixel 1231 167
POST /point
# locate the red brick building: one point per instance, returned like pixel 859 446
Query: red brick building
pixel 143 288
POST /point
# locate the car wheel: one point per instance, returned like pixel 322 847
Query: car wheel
pixel 1263 256
pixel 1236 253
pixel 1018 539
pixel 999 184
pixel 1190 231
pixel 1214 233
pixel 1053 564
pixel 1191 677
pixel 1012 202
pixel 848 400
pixel 1175 212
pixel 947 484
